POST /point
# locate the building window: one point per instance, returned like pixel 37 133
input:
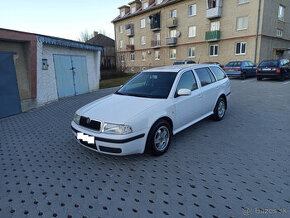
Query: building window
pixel 192 10
pixel 157 55
pixel 143 23
pixel 120 29
pixel 214 26
pixel 145 5
pixel 122 13
pixel 242 23
pixel 191 31
pixel 121 43
pixel 242 1
pixel 143 40
pixel 213 50
pixel 132 57
pixel 173 13
pixel 122 58
pixel 159 2
pixel 241 48
pixel 131 41
pixel 172 54
pixel 281 12
pixel 191 52
pixel 143 55
pixel 279 33
pixel 133 9
pixel 173 33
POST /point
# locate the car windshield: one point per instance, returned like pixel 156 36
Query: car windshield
pixel 149 85
pixel 269 64
pixel 234 64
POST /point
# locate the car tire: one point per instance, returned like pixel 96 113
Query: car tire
pixel 259 78
pixel 220 109
pixel 243 76
pixel 159 138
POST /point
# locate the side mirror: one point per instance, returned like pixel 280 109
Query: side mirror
pixel 183 92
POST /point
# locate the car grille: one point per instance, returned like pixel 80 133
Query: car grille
pixel 90 124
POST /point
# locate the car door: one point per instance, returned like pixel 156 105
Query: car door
pixel 187 108
pixel 209 89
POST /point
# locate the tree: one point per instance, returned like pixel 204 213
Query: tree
pixel 85 36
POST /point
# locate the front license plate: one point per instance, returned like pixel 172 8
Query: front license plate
pixel 86 138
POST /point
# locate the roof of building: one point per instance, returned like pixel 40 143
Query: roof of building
pixel 151 7
pixel 51 40
pixel 177 68
pixel 101 40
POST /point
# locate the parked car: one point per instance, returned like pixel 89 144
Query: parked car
pixel 184 62
pixel 154 105
pixel 240 69
pixel 216 63
pixel 274 69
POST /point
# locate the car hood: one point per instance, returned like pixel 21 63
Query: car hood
pixel 117 108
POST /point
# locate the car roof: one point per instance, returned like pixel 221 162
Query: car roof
pixel 176 68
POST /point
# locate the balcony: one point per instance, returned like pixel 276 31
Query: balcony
pixel 171 22
pixel 212 36
pixel 214 13
pixel 172 41
pixel 129 30
pixel 130 47
pixel 156 43
pixel 214 9
pixel 155 21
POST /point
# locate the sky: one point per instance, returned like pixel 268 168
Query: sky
pixel 60 18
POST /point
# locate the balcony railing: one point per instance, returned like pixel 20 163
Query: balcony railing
pixel 172 22
pixel 212 36
pixel 130 32
pixel 130 47
pixel 214 13
pixel 156 43
pixel 172 41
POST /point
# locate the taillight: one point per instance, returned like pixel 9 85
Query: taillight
pixel 256 71
pixel 239 69
pixel 278 70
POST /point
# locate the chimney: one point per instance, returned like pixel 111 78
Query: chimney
pixel 95 33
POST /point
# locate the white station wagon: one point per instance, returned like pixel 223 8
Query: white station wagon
pixel 149 109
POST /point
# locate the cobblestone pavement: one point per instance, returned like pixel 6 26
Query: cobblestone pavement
pixel 234 168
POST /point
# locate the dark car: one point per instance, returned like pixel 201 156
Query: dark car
pixel 240 69
pixel 183 62
pixel 279 69
pixel 216 63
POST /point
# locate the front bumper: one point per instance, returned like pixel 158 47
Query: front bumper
pixel 112 144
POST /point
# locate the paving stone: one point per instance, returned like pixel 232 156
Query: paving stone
pixel 212 169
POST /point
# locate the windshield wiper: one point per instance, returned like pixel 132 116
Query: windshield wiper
pixel 119 93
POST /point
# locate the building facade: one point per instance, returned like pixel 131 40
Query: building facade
pixel 152 33
pixel 37 69
pixel 108 55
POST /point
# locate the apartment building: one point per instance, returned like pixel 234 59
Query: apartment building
pixel 152 33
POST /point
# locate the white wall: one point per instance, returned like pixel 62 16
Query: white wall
pixel 46 79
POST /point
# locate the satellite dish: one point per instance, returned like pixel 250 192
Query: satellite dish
pixel 178 33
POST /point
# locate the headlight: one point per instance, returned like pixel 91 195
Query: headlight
pixel 77 119
pixel 118 129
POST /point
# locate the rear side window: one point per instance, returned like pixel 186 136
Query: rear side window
pixel 234 64
pixel 187 81
pixel 205 76
pixel 269 64
pixel 219 74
